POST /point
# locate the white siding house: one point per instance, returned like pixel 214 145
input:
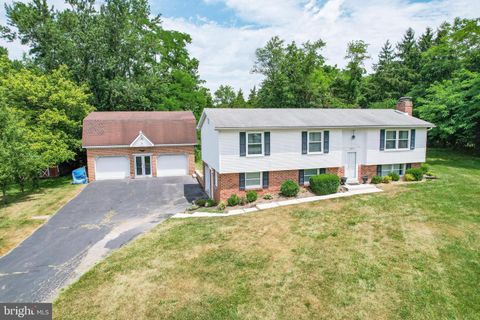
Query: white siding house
pixel 244 145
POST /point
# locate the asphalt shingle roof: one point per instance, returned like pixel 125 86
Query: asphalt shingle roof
pixel 311 118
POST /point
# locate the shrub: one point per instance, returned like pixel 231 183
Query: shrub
pixel 222 205
pixel 252 196
pixel 408 177
pixel 387 179
pixel 376 179
pixel 395 176
pixel 201 202
pixel 324 184
pixel 210 203
pixel 289 188
pixel 424 168
pixel 417 173
pixel 268 196
pixel 233 200
pixel 430 174
pixel 242 201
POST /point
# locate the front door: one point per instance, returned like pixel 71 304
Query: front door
pixel 143 166
pixel 351 165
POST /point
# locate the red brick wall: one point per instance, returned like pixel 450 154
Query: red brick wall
pixel 371 170
pixel 229 183
pixel 155 151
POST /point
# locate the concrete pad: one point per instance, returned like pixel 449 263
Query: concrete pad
pixel 288 202
pixel 247 210
pixel 263 206
pixel 236 211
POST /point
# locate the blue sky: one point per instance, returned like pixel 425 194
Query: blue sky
pixel 225 33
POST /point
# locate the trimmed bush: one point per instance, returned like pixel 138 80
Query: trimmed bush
pixel 417 173
pixel 323 184
pixel 289 188
pixel 408 177
pixel 268 196
pixel 376 180
pixel 210 203
pixel 201 202
pixel 222 205
pixel 252 196
pixel 233 200
pixel 430 173
pixel 424 168
pixel 395 176
pixel 387 179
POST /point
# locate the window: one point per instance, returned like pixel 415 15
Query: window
pixel 216 179
pixel 398 168
pixel 254 144
pixel 253 180
pixel 307 173
pixel 396 139
pixel 315 142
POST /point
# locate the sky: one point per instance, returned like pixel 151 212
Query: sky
pixel 225 33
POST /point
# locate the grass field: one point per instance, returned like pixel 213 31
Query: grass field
pixel 412 252
pixel 16 221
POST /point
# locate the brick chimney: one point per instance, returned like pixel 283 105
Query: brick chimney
pixel 405 105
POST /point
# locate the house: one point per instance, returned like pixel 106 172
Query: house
pixel 135 145
pixel 258 149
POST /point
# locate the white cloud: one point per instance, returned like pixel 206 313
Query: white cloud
pixel 226 53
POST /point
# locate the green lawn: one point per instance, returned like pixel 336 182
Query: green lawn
pixel 16 221
pixel 412 252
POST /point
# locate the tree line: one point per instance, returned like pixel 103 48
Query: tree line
pixel 118 56
pixel 439 69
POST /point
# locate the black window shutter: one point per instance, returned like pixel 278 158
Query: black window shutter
pixel 243 146
pixel 326 141
pixel 301 177
pixel 266 137
pixel 322 171
pixel 412 139
pixel 379 170
pixel 242 181
pixel 265 179
pixel 304 142
pixel 382 139
pixel 409 165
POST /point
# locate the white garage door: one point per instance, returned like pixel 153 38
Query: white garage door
pixel 112 168
pixel 172 165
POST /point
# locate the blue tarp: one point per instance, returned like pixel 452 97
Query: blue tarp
pixel 79 176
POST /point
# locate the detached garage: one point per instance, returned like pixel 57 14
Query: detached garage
pixel 122 145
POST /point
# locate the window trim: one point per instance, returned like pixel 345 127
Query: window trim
pixel 307 181
pixel 261 145
pixel 259 186
pixel 403 168
pixel 321 142
pixel 397 139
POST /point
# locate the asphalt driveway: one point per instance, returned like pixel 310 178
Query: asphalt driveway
pixel 104 216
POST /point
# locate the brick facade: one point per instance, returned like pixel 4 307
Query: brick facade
pixel 371 170
pixel 229 183
pixel 154 151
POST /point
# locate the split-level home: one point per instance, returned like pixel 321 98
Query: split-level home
pixel 135 145
pixel 258 149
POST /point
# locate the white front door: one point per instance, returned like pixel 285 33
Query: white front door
pixel 169 165
pixel 143 166
pixel 351 165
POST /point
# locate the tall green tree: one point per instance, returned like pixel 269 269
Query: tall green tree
pixel 224 97
pixel 356 55
pixel 239 101
pixel 118 48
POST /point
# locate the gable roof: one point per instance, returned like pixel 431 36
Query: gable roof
pixel 309 118
pixel 122 128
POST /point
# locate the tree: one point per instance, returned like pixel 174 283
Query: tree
pixel 224 97
pixel 239 101
pixel 357 54
pixel 426 40
pixel 409 56
pixel 127 59
pixel 252 98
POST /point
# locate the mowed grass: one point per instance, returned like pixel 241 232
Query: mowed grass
pixel 412 252
pixel 16 221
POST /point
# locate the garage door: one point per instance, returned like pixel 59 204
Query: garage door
pixel 172 165
pixel 112 168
